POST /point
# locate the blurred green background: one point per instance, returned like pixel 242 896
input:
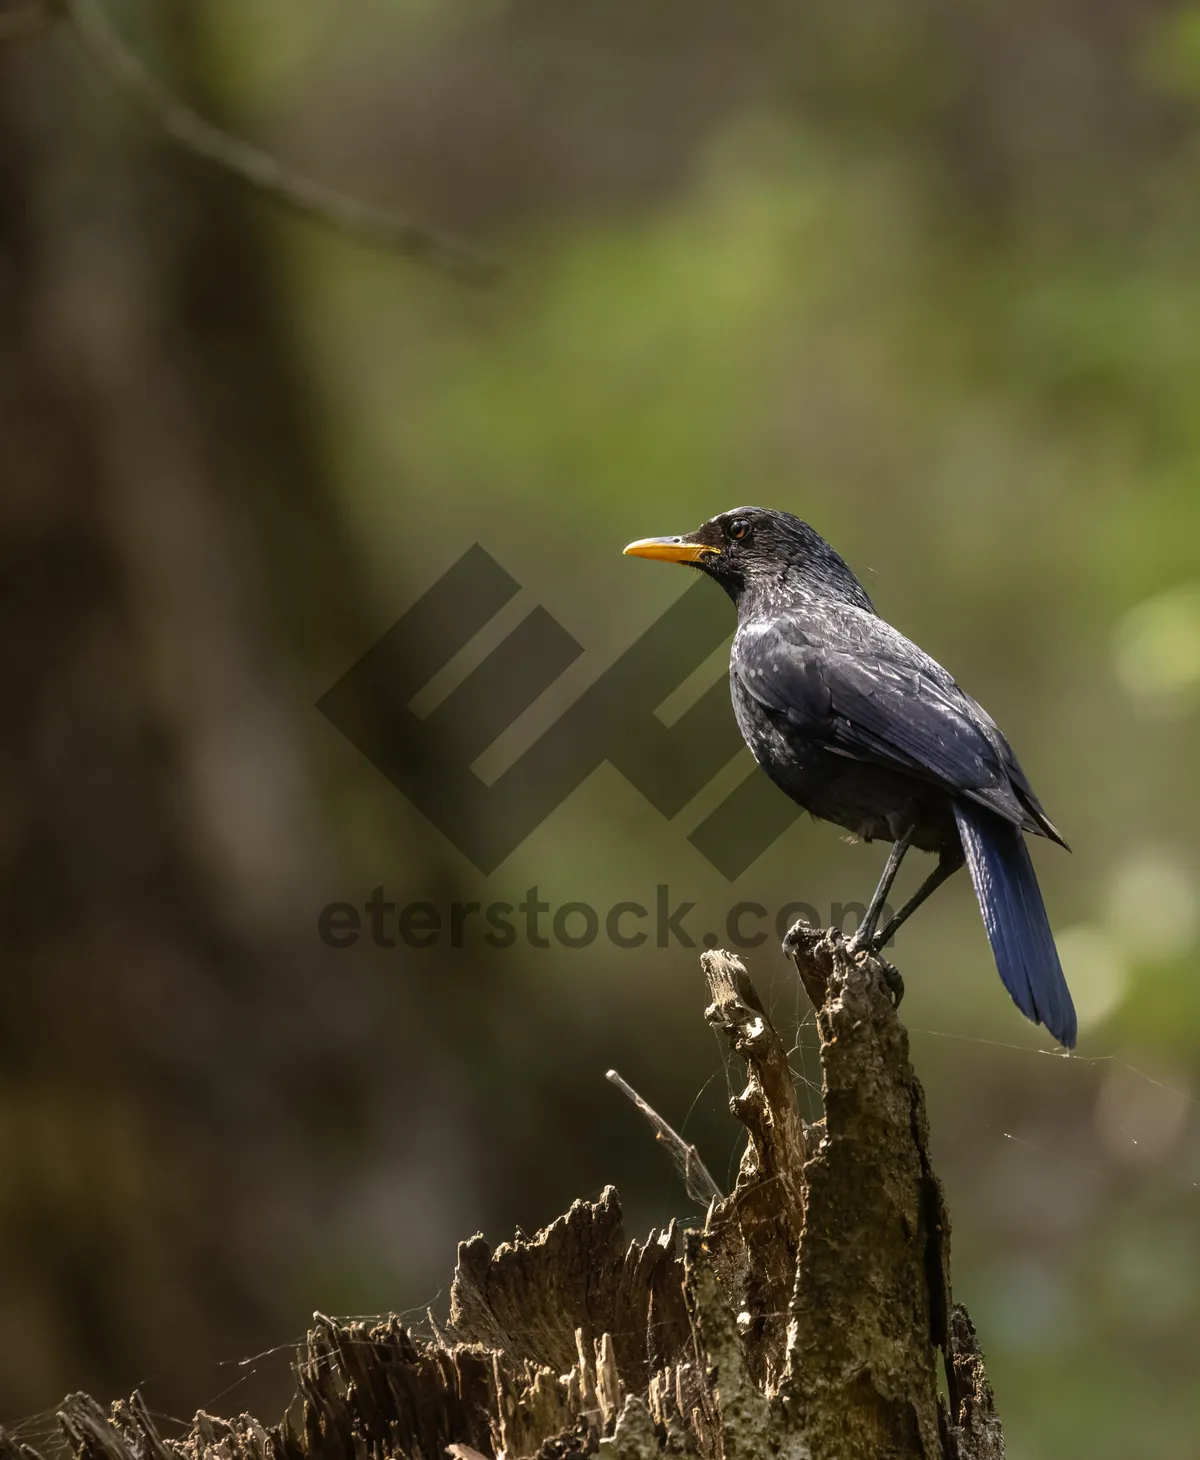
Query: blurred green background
pixel 928 277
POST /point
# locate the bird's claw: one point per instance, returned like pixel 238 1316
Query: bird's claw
pixel 891 977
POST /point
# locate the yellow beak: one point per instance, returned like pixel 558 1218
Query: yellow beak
pixel 669 549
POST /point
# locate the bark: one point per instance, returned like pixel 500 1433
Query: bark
pixel 806 1318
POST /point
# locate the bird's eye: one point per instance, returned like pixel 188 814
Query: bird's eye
pixel 738 529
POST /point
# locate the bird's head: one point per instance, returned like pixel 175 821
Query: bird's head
pixel 760 553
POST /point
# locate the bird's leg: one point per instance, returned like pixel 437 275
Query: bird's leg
pixel 864 934
pixel 950 861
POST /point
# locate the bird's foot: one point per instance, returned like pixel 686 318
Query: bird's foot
pixel 891 977
pixel 860 942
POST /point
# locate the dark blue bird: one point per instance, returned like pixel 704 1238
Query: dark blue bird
pixel 861 727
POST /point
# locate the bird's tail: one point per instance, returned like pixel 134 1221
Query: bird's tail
pixel 1016 922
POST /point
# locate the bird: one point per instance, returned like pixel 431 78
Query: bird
pixel 862 728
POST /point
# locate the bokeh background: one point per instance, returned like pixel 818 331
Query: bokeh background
pixel 928 276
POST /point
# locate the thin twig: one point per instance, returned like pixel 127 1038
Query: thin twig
pixel 261 171
pixel 700 1186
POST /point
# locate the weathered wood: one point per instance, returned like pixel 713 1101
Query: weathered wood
pixel 872 1278
pixel 754 1234
pixel 530 1298
pixel 806 1319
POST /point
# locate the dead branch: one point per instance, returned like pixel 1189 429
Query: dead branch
pixel 697 1179
pixel 109 53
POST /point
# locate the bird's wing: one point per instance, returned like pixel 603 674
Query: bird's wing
pixel 851 680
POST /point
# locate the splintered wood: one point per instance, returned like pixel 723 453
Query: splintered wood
pixel 806 1319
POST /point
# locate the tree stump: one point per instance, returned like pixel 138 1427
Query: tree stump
pixel 806 1319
